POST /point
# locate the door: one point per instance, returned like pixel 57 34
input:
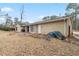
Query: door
pixel 27 28
pixel 69 31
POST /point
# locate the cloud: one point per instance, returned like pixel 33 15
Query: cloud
pixel 2 20
pixel 6 9
pixel 77 16
pixel 41 17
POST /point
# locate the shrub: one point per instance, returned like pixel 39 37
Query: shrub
pixel 5 28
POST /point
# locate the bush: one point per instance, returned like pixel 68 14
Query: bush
pixel 5 28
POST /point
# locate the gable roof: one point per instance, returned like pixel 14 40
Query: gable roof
pixel 49 21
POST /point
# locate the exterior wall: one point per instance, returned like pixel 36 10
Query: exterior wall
pixel 54 26
pixel 18 28
pixel 39 28
pixel 50 27
pixel 65 27
pixel 69 23
pixel 36 28
pixel 26 29
pixel 62 26
pixel 33 28
pixel 29 28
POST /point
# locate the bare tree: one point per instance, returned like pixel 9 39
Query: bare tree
pixel 16 20
pixel 8 22
pixel 22 11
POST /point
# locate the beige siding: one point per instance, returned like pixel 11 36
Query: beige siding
pixel 39 28
pixel 18 28
pixel 54 26
pixel 34 28
pixel 69 23
pixel 45 28
pixel 26 29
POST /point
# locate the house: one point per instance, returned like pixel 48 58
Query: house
pixel 20 28
pixel 64 25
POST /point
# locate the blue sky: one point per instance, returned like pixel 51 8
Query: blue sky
pixel 33 11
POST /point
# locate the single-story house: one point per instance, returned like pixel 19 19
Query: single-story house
pixel 64 25
pixel 20 28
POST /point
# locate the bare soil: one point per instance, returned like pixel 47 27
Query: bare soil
pixel 22 44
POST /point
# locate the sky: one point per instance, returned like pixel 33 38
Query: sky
pixel 32 11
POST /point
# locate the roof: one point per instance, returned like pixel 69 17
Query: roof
pixel 49 21
pixel 24 24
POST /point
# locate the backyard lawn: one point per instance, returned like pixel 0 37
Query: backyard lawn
pixel 19 44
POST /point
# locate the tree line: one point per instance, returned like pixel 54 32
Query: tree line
pixel 9 23
pixel 72 10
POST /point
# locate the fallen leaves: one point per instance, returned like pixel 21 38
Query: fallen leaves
pixel 20 44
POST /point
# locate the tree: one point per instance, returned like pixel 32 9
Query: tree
pixel 46 18
pixel 16 20
pixel 22 11
pixel 25 23
pixel 73 10
pixel 54 17
pixel 8 22
pixel 50 17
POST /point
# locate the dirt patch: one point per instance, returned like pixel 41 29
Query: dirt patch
pixel 20 44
